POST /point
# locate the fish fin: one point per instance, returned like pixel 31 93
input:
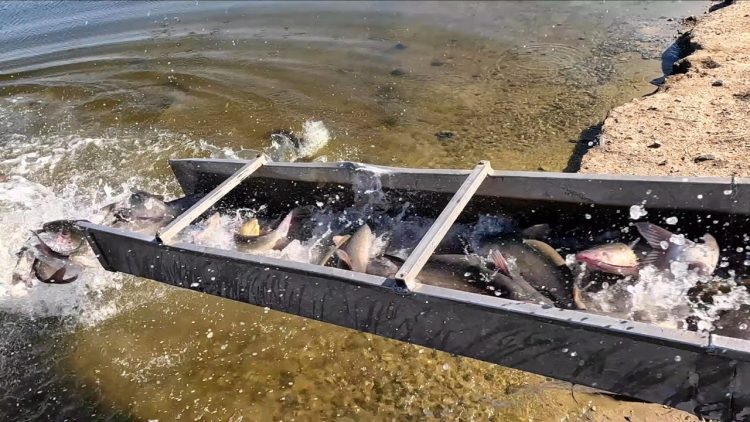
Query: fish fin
pixel 654 235
pixel 286 223
pixel 55 277
pixel 499 261
pixel 537 231
pixel 343 256
pixel 340 240
pixel 652 258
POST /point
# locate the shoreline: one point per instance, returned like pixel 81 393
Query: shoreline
pixel 697 123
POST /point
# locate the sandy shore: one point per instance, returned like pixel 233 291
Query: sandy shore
pixel 698 121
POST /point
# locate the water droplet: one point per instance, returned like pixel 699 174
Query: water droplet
pixel 672 221
pixel 699 196
pixel 746 263
pixel 446 367
pixel 743 326
pixel 637 211
pixel 677 239
pixel 573 354
pixel 588 216
pixel 565 350
pixel 209 334
pixel 678 358
pixel 664 244
pixel 739 249
pixel 728 192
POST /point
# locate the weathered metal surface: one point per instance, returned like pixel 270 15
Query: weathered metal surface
pixel 719 194
pixel 705 374
pixel 426 247
pixel 172 229
pixel 678 368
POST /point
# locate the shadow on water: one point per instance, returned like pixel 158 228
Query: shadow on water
pixel 588 139
pixel 31 352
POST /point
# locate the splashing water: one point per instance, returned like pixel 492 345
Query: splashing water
pixel 371 206
pixel 314 137
pixel 663 298
pixel 26 206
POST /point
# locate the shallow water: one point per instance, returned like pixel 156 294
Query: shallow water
pixel 95 97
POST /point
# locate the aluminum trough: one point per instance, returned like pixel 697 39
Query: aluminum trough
pixel 707 375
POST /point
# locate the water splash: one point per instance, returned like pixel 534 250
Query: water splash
pixel 292 147
pixel 666 298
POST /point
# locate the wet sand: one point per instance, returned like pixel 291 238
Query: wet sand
pixel 698 122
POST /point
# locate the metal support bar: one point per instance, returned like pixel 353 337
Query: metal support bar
pixel 179 223
pixel 426 247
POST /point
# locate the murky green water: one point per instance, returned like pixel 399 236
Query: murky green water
pixel 97 96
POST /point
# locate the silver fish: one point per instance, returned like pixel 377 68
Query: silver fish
pixel 327 253
pixel 268 241
pixel 53 256
pixel 142 212
pixel 516 286
pixel 668 248
pixel 434 273
pixel 213 224
pixel 612 258
pixel 356 251
pixel 539 270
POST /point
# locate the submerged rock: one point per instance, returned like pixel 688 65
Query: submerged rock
pixel 445 135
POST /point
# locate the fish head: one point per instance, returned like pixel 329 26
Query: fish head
pixel 614 258
pixel 139 206
pixel 62 236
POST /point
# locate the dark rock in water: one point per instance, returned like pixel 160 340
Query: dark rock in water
pixel 436 63
pixel 400 46
pixel 663 163
pixel 717 82
pixel 445 135
pixel 398 72
pixel 704 157
pixel 655 145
